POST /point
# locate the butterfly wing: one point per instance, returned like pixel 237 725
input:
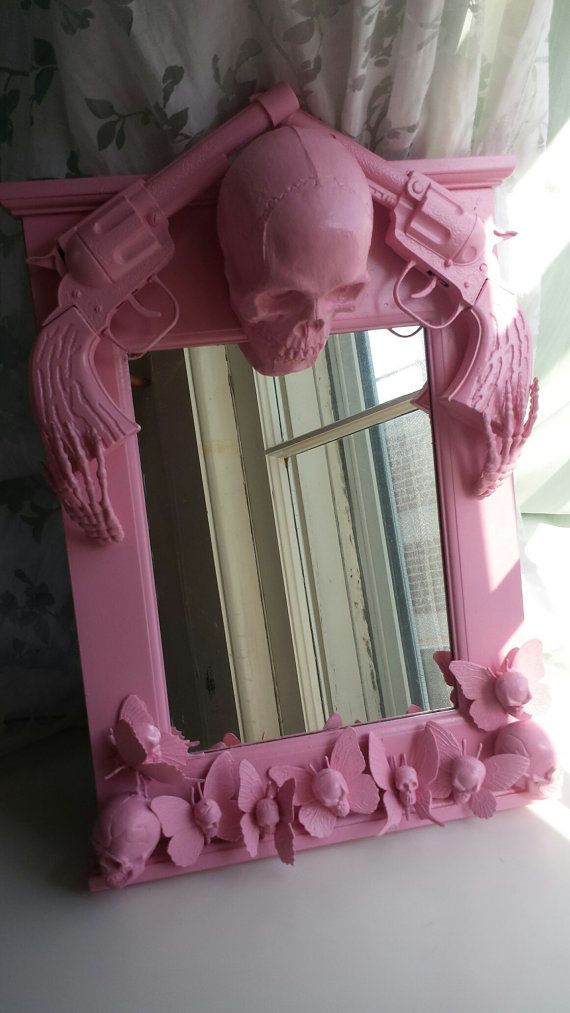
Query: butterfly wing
pixel 174 747
pixel 185 849
pixel 378 762
pixel 448 749
pixel 284 841
pixel 483 803
pixel 347 757
pixel 164 772
pixel 221 780
pixel 229 827
pixel 363 794
pixel 425 758
pixel 176 820
pixel 175 814
pixel 317 820
pixel 540 701
pixel 221 785
pixel 230 739
pixel 527 659
pixel 478 685
pixel 173 751
pixel 251 787
pixel 133 719
pixel 442 660
pixel 473 679
pixel 251 833
pixel 504 770
pixel 334 722
pixel 285 798
pixel 423 806
pixel 382 774
pixel 394 810
pixel 303 781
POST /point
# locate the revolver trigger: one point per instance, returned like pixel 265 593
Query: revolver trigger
pixel 408 308
pixel 137 327
pixel 425 291
pixel 144 311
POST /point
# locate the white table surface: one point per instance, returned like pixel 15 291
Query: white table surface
pixel 472 917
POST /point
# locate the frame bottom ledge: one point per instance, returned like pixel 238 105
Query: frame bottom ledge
pixel 219 855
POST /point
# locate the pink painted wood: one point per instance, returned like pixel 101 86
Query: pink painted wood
pixel 113 586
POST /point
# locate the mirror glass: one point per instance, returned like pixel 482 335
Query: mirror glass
pixel 295 536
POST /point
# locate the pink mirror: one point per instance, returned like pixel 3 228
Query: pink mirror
pixel 120 267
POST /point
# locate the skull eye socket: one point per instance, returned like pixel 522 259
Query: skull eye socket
pixel 272 305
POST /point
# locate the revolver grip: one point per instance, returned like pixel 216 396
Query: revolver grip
pixel 492 388
pixel 498 356
pixel 79 422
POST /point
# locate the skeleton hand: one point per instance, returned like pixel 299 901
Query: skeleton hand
pixel 505 440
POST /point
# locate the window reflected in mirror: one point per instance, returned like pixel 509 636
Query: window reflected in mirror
pixel 295 536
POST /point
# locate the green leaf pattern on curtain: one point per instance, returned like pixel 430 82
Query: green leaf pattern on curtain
pixel 92 87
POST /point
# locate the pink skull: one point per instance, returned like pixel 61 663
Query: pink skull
pixel 295 224
pixel 207 815
pixel 267 814
pixel 124 837
pixel 149 737
pixel 513 692
pixel 406 784
pixel 467 776
pixel 331 790
pixel 526 738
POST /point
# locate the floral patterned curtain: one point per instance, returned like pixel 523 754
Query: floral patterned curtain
pixel 91 87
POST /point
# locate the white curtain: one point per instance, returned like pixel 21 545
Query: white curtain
pixel 117 86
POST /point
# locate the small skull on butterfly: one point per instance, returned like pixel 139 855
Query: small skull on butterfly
pixel 211 811
pixel 207 815
pixel 141 746
pixel 490 695
pixel 469 780
pixel 331 789
pixel 513 692
pixel 467 776
pixel 331 793
pixel 406 783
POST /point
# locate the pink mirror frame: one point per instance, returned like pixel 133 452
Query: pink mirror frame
pixel 117 618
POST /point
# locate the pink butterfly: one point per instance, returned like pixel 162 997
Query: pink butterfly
pixel 267 811
pixel 406 786
pixel 229 739
pixel 443 659
pixel 498 693
pixel 144 748
pixel 472 781
pixel 333 723
pixel 331 793
pixel 190 825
